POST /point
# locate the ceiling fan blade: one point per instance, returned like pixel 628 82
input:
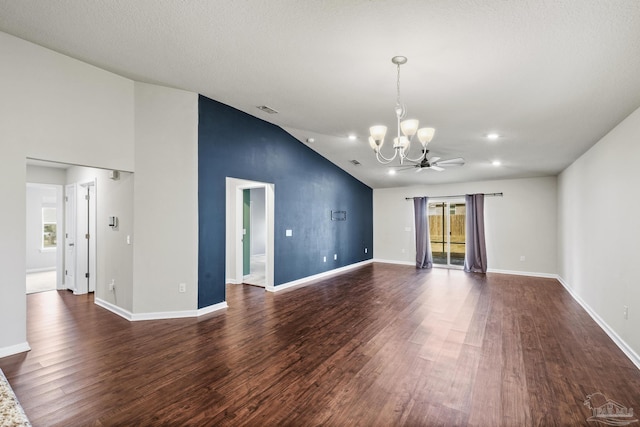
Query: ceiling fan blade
pixel 458 161
pixel 434 159
pixel 403 168
pixel 436 168
pixel 408 162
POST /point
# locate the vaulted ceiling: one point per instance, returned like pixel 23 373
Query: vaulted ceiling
pixel 550 77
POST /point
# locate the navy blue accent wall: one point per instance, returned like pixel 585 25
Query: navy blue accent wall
pixel 307 188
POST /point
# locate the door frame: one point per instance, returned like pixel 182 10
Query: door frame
pixel 70 231
pixel 234 228
pixel 447 227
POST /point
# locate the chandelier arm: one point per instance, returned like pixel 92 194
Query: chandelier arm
pixel 419 159
pixel 385 160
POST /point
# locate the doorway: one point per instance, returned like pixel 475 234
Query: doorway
pixel 44 245
pixel 447 221
pixel 254 236
pixel 250 233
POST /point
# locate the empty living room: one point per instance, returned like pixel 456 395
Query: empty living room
pixel 411 213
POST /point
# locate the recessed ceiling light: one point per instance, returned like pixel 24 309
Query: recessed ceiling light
pixel 354 162
pixel 311 140
pixel 496 163
pixel 392 172
pixel 352 137
pixel 493 136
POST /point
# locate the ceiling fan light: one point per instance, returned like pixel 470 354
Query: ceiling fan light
pixel 409 127
pixel 377 133
pixel 425 135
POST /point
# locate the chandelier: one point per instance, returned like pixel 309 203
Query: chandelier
pixel 408 128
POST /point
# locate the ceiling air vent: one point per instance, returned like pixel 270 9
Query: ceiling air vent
pixel 354 162
pixel 266 109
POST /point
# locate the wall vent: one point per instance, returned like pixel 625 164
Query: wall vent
pixel 266 109
pixel 355 162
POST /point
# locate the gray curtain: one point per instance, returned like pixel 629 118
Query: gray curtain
pixel 475 260
pixel 424 259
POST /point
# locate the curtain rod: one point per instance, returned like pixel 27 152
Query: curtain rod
pixel 458 196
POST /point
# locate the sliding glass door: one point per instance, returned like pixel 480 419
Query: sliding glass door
pixel 447 232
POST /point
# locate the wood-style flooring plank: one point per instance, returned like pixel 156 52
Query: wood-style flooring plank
pixel 382 345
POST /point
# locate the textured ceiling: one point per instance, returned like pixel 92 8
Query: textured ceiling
pixel 551 77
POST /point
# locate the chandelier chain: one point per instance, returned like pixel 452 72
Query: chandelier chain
pixel 398 86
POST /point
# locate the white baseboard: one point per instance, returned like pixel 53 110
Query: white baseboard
pixel 308 279
pixel 160 315
pixel 622 345
pixel 523 273
pixel 233 282
pixel 14 349
pixel 391 261
pixel 40 270
pixel 134 317
pixel 490 270
pixel 113 308
pixel 210 309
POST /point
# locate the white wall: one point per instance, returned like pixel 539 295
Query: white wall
pixel 114 256
pixel 599 239
pixel 60 109
pixel 53 108
pixel 166 200
pixel 523 222
pixel 114 252
pixel 46 175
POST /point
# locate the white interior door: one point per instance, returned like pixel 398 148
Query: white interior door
pixel 85 238
pixel 92 238
pixel 70 237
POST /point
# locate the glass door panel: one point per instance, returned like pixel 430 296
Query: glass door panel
pixel 457 220
pixel 447 232
pixel 437 233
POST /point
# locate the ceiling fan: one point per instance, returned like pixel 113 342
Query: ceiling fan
pixel 433 163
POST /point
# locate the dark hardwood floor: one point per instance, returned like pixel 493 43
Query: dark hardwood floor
pixel 381 345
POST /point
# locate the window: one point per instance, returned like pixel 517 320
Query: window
pixel 49 228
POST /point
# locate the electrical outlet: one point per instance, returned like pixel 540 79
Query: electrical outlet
pixel 112 285
pixel 403 250
pixel 626 312
pixel 522 258
pixel 324 259
pixel 182 287
pixel 335 256
pixel 365 250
